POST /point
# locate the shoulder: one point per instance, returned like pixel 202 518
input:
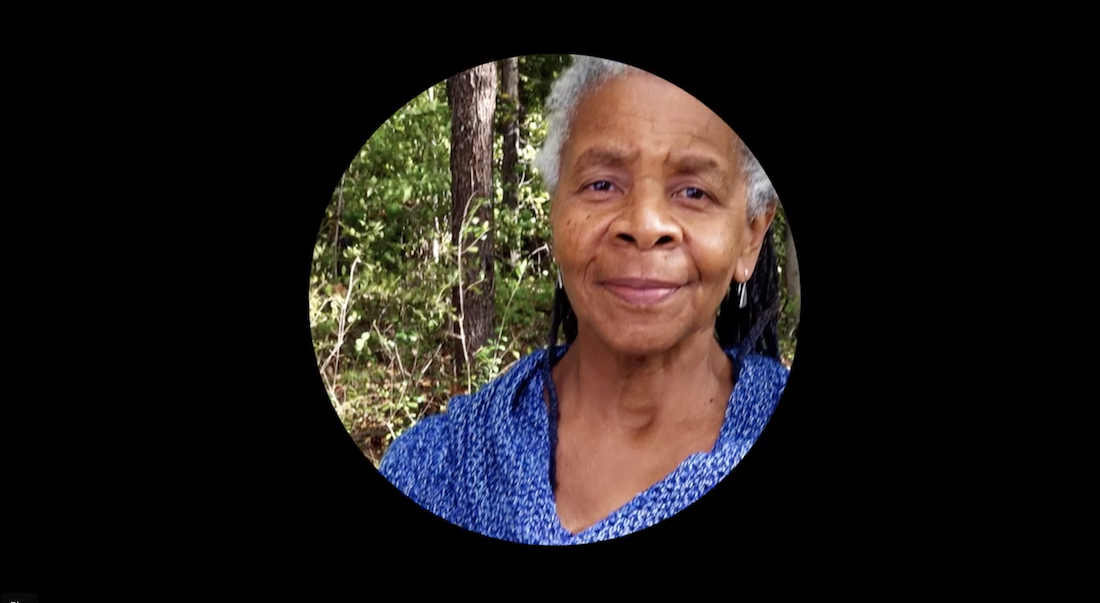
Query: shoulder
pixel 760 384
pixel 485 412
pixel 428 461
pixel 414 462
pixel 764 373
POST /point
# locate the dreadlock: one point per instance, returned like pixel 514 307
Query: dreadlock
pixel 754 328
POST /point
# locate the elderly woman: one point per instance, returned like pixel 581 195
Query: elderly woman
pixel 659 216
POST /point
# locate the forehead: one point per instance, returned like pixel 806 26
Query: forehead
pixel 642 114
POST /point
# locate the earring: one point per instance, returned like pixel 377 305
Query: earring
pixel 560 285
pixel 741 292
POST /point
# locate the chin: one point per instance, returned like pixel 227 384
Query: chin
pixel 640 342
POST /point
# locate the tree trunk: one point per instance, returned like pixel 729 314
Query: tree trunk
pixel 336 231
pixel 509 176
pixel 511 110
pixel 472 99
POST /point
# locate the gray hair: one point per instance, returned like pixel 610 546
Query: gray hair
pixel 585 75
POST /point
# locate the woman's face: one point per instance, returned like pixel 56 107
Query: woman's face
pixel 649 217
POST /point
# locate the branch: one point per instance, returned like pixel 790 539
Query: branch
pixel 340 332
pixel 461 249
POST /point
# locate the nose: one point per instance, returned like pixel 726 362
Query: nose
pixel 646 221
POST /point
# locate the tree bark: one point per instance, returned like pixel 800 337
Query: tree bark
pixel 509 175
pixel 471 96
pixel 336 231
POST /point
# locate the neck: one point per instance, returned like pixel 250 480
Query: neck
pixel 640 396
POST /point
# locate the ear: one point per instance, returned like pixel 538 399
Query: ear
pixel 755 230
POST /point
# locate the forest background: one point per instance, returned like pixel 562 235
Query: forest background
pixel 431 273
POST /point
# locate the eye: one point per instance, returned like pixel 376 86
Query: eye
pixel 602 186
pixel 695 193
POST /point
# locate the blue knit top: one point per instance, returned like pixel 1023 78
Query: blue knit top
pixel 485 463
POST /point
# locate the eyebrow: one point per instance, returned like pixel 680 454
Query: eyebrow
pixel 705 166
pixel 606 156
pixel 701 165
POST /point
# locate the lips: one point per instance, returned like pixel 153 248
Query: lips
pixel 641 292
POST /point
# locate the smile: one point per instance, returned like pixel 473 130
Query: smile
pixel 640 292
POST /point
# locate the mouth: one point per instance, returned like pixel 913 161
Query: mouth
pixel 641 292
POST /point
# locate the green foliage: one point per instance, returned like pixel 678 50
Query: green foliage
pixel 385 267
pixel 537 72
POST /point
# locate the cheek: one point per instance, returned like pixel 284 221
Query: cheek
pixel 719 262
pixel 559 231
pixel 720 243
pixel 574 233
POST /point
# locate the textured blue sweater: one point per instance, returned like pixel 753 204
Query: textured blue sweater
pixel 484 465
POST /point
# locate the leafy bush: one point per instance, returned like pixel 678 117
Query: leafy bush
pixel 385 267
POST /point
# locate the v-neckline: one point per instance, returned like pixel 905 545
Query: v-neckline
pixel 547 482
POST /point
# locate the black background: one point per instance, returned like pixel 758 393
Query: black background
pixel 242 472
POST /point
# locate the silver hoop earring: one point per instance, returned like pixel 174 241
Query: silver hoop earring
pixel 560 285
pixel 742 291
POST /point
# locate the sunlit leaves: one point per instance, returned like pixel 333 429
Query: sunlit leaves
pixel 362 341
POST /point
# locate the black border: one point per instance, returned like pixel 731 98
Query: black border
pixel 867 140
